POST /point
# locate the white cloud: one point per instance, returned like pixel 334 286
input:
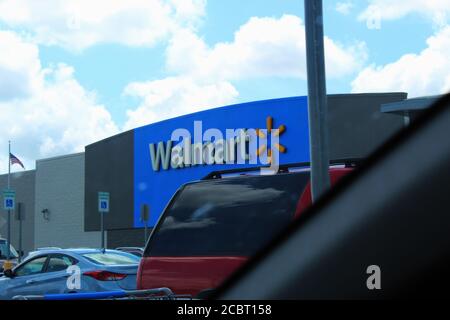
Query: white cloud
pixel 57 117
pixel 78 24
pixel 426 73
pixel 174 96
pixel 344 7
pixel 203 75
pixel 436 10
pixel 19 67
pixel 267 47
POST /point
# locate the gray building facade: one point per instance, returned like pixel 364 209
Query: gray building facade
pixel 24 185
pixel 51 202
pixel 59 206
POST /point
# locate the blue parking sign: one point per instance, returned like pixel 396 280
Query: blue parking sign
pixel 9 199
pixel 103 202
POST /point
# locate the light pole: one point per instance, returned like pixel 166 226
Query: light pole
pixel 8 247
pixel 317 98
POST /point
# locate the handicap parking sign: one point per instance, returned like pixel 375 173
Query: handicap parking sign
pixel 103 202
pixel 9 199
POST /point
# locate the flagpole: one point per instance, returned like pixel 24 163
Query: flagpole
pixel 9 162
pixel 8 247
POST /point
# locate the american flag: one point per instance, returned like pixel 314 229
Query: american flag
pixel 14 160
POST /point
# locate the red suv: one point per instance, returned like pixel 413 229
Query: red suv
pixel 211 227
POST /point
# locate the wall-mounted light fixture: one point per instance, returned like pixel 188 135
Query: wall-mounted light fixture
pixel 46 214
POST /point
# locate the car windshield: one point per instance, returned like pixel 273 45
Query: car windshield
pixel 110 259
pixel 3 250
pixel 176 126
pixel 234 216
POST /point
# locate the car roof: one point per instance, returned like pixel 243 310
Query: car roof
pixel 243 176
pixel 74 251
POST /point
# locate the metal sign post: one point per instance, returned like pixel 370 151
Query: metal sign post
pixel 144 218
pixel 317 98
pixel 103 207
pixel 20 217
pixel 9 199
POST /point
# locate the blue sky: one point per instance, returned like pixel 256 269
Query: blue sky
pixel 74 72
pixel 108 68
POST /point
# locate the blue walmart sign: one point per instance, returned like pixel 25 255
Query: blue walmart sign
pixel 170 153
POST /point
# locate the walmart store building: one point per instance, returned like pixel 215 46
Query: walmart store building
pixel 58 200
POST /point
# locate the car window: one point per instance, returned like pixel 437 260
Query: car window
pixel 32 267
pixel 232 216
pixel 3 250
pixel 110 259
pixel 136 253
pixel 59 263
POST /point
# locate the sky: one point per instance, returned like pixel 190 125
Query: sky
pixel 73 72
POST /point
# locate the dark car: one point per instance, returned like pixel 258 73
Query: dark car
pixel 211 227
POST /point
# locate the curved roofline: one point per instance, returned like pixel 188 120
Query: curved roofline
pixel 236 105
pixel 243 104
pixel 273 100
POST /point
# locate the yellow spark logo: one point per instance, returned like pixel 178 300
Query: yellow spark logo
pixel 276 133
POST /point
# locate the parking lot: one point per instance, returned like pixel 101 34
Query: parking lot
pixel 202 150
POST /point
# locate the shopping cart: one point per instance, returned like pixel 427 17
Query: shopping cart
pixel 149 294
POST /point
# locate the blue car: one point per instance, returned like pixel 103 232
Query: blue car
pixel 70 271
